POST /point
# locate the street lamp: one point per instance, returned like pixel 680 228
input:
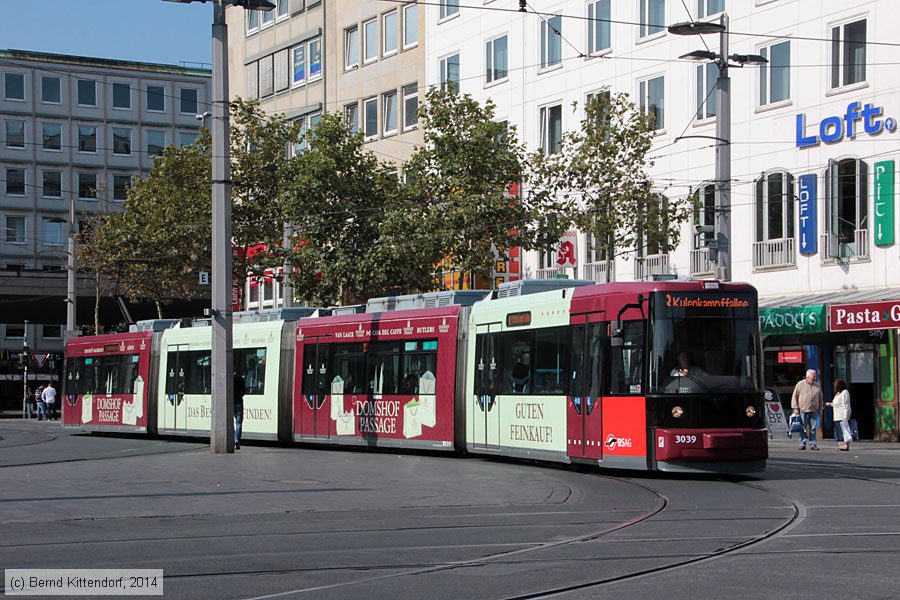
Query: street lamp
pixel 221 439
pixel 26 356
pixel 722 60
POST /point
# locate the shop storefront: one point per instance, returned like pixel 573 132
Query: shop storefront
pixel 838 342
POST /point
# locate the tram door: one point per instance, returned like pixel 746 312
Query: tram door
pixel 174 413
pixel 486 421
pixel 315 408
pixel 584 424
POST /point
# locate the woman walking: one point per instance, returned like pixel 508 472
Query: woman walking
pixel 841 406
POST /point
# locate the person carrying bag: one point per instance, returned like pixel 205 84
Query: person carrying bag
pixel 841 406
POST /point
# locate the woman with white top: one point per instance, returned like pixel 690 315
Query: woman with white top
pixel 841 406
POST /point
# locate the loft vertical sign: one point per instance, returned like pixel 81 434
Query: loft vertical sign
pixel 807 210
pixel 884 203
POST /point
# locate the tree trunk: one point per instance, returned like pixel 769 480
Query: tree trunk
pixel 159 309
pixel 96 303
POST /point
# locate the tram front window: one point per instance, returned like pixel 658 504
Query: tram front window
pixel 695 353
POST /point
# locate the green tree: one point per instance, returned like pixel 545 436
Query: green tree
pixel 461 177
pixel 600 176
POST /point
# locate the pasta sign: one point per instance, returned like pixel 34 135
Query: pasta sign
pixel 861 317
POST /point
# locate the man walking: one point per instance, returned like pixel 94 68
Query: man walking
pixel 238 390
pixel 49 398
pixel 807 402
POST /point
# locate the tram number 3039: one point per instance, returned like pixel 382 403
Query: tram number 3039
pixel 685 439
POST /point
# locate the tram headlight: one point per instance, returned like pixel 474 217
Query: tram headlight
pixel 751 411
pixel 677 411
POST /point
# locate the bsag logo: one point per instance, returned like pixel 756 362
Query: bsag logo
pixel 612 442
pixel 833 129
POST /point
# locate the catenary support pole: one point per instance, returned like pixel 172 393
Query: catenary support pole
pixel 222 432
pixel 723 159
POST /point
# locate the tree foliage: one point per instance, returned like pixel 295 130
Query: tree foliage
pixel 600 177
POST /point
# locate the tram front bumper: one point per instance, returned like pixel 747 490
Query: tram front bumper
pixel 714 445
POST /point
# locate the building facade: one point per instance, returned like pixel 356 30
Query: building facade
pixel 814 146
pixel 76 130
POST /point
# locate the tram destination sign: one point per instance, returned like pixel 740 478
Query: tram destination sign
pixel 865 316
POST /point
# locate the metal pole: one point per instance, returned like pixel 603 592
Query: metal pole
pixel 723 159
pixel 25 371
pixel 221 439
pixel 286 288
pixel 71 296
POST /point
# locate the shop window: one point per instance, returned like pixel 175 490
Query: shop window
pixel 846 185
pixel 774 206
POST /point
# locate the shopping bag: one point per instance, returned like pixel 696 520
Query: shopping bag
pixel 427 411
pixel 796 424
pixel 337 396
pixel 128 413
pixel 87 408
pixel 346 423
pixel 412 424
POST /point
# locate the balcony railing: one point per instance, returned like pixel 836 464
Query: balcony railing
pixel 601 272
pixel 774 254
pixel 552 272
pixel 858 249
pixel 701 266
pixel 652 264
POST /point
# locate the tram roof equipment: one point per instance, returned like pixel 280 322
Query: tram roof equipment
pixel 428 300
pixel 525 287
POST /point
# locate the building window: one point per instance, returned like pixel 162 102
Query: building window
pixel 449 8
pixel 156 143
pixel 282 9
pixel 846 190
pixel 410 25
pixel 87 92
pixel 188 101
pixel 121 96
pixel 51 90
pixel 496 58
pixel 653 16
pixel 774 206
pixel 370 40
pixel 121 185
pixel 653 231
pixel 156 98
pixel 121 141
pixel 87 139
pixel 252 21
pixel 282 70
pixel 51 136
pixel 299 77
pixel 410 106
pixel 15 230
pixel 370 109
pixel 14 86
pixel 187 138
pixel 351 113
pixel 705 214
pixel 389 33
pixel 706 8
pixel 268 17
pixel 351 47
pixel 315 59
pixel 551 128
pixel 15 134
pixel 848 53
pixel 551 41
pixel 51 232
pixel 51 331
pixel 652 94
pixel 599 38
pixel 449 68
pixel 15 182
pixel 775 77
pixel 389 106
pixel 52 184
pixel 707 76
pixel 15 331
pixel 87 186
pixel 308 124
pixel 595 251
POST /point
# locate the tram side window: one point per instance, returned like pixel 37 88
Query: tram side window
pixel 74 367
pixel 419 358
pixel 382 367
pixel 587 357
pixel 175 376
pixel 91 376
pixel 551 361
pixel 487 371
pixel 317 369
pixel 518 362
pixel 626 361
pixel 251 364
pixel 350 366
pixel 198 371
pixel 117 374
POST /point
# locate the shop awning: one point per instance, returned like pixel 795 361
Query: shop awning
pixel 835 297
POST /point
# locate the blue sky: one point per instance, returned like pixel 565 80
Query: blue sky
pixel 143 30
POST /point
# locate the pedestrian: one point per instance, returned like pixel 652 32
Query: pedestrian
pixel 49 398
pixel 238 391
pixel 841 406
pixel 30 407
pixel 807 402
pixel 39 403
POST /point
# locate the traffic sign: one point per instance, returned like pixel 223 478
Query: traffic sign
pixel 40 357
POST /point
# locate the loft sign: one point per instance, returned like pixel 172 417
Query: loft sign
pixel 835 128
